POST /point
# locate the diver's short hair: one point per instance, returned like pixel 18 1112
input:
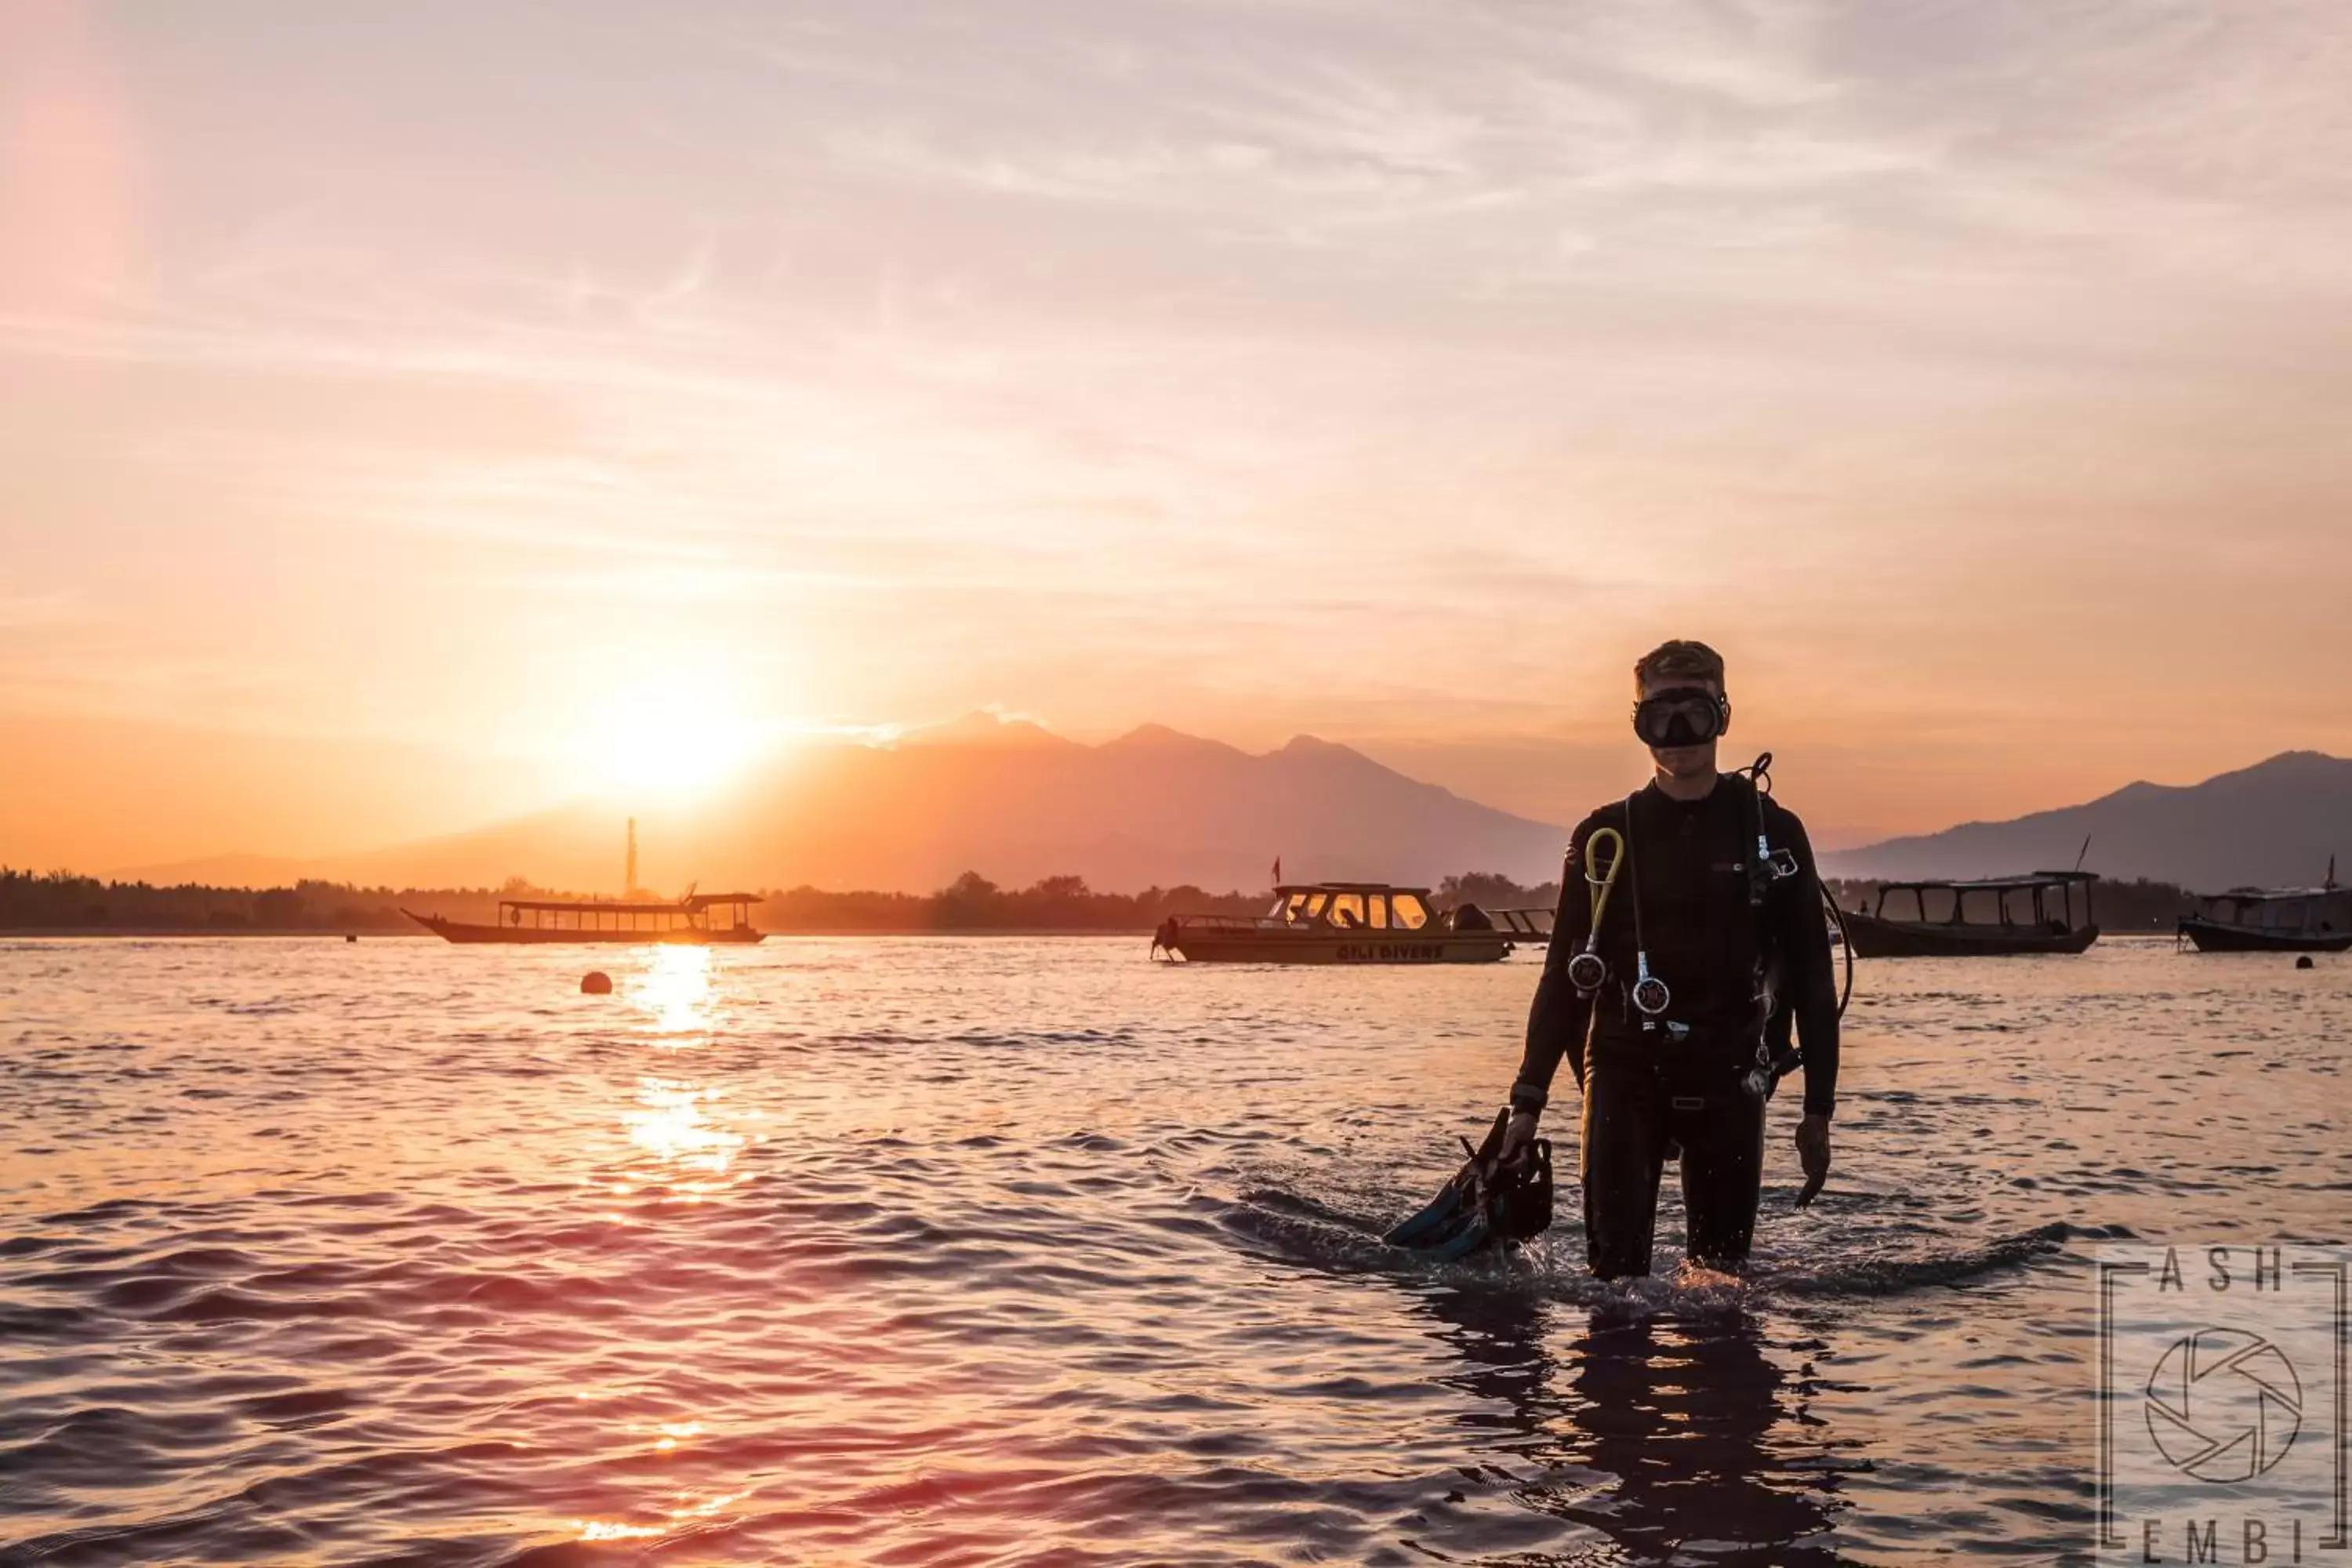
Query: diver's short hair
pixel 1678 661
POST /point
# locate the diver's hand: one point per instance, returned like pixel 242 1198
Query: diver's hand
pixel 1517 1135
pixel 1813 1152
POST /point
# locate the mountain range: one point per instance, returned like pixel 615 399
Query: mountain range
pixel 2277 824
pixel 1007 798
pixel 1157 807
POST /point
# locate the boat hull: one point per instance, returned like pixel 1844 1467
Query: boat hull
pixel 1871 937
pixel 531 936
pixel 1274 947
pixel 2213 936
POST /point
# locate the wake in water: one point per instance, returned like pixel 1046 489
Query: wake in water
pixel 1853 1247
pixel 1652 1412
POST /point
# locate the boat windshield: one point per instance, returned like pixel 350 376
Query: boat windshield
pixel 1300 908
pixel 1355 909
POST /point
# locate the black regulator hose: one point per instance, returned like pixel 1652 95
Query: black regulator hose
pixel 1759 774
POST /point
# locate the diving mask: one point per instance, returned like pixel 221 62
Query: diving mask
pixel 1681 716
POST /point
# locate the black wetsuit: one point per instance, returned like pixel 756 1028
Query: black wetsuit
pixel 1728 962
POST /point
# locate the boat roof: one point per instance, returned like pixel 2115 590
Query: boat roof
pixel 2000 884
pixel 2272 895
pixel 695 904
pixel 1286 889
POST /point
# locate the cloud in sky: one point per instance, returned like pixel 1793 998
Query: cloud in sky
pixel 1972 372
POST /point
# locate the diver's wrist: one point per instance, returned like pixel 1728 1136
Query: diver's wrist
pixel 1528 1099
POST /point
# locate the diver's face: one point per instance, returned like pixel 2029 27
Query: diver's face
pixel 1684 762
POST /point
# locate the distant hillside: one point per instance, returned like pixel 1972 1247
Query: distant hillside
pixel 1151 809
pixel 2272 824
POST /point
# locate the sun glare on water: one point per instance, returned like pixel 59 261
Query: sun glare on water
pixel 675 992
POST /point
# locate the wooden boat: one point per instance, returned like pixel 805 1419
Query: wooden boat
pixel 689 921
pixel 1352 923
pixel 1876 934
pixel 2274 920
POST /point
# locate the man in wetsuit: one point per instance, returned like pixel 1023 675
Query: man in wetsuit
pixel 1725 935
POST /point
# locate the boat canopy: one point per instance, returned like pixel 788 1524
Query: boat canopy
pixel 2035 887
pixel 2282 909
pixel 1995 884
pixel 2275 895
pixel 694 905
pixel 692 913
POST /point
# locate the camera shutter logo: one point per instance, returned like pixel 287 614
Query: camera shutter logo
pixel 2223 1405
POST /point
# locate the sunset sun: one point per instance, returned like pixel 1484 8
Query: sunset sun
pixel 674 737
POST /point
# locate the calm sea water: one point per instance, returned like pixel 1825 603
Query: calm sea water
pixel 946 1251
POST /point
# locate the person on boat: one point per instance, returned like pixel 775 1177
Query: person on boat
pixel 1704 940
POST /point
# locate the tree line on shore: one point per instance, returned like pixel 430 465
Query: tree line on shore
pixel 61 902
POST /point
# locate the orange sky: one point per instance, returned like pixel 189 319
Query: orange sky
pixel 409 413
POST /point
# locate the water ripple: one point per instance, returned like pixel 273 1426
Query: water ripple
pixel 1008 1252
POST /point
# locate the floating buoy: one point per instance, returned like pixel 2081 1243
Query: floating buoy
pixel 2304 962
pixel 595 982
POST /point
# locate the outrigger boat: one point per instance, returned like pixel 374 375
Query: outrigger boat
pixel 1351 922
pixel 2274 920
pixel 1874 934
pixel 686 922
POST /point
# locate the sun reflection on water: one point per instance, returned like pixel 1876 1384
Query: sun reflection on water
pixel 672 1123
pixel 686 1510
pixel 670 1434
pixel 677 1123
pixel 675 990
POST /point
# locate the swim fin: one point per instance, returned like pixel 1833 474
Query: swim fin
pixel 1485 1202
pixel 1441 1216
pixel 1456 1204
pixel 1473 1234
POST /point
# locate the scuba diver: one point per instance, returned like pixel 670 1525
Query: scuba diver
pixel 1690 937
pixel 1664 1013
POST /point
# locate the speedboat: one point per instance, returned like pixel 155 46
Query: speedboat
pixel 1351 922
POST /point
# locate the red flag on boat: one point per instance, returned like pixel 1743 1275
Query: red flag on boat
pixel 1278 870
pixel 2330 883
